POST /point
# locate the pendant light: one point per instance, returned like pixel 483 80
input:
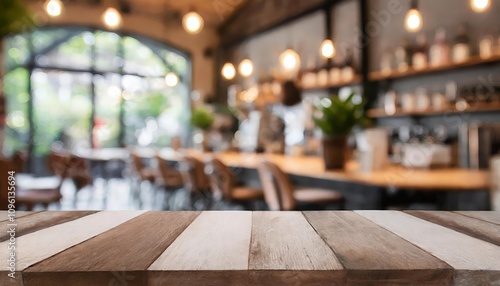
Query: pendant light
pixel 289 60
pixel 328 49
pixel 413 19
pixel 480 6
pixel 192 22
pixel 246 68
pixel 228 71
pixel 112 18
pixel 53 7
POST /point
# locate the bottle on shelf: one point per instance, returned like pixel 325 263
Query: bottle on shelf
pixel 322 77
pixel 335 73
pixel 419 58
pixel 486 47
pixel 461 49
pixel 308 77
pixel 403 56
pixel 386 63
pixel 348 70
pixel 439 53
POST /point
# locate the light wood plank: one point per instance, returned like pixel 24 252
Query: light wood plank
pixel 37 246
pixel 37 221
pixel 493 217
pixel 98 260
pixel 216 242
pixel 480 229
pixel 475 261
pixel 372 254
pixel 285 241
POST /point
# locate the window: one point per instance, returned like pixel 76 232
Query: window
pixel 92 88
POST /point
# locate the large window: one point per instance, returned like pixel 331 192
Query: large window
pixel 92 88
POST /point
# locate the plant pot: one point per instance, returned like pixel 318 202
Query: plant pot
pixel 334 152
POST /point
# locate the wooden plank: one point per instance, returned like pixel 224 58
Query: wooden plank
pixel 37 246
pixel 493 217
pixel 380 256
pixel 215 244
pixel 37 221
pixel 285 249
pixel 98 260
pixel 480 229
pixel 475 261
pixel 18 214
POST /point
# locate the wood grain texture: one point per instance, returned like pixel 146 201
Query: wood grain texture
pixel 37 221
pixel 141 241
pixel 19 214
pixel 214 241
pixel 475 261
pixel 493 217
pixel 37 246
pixel 286 241
pixel 480 229
pixel 372 254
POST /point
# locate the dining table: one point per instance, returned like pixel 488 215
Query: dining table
pixel 251 248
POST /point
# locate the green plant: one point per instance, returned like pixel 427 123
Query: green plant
pixel 202 118
pixel 14 17
pixel 339 116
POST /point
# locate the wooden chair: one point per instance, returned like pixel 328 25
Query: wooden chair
pixel 31 196
pixel 196 183
pixel 145 174
pixel 170 177
pixel 280 194
pixel 225 184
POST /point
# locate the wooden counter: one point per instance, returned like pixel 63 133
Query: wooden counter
pixel 394 176
pixel 259 248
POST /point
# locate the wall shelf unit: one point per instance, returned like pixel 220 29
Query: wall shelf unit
pixel 480 107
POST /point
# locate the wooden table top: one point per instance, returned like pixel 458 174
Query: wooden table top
pixel 394 176
pixel 254 248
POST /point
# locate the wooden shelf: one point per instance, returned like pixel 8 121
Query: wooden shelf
pixel 357 80
pixel 481 107
pixel 471 62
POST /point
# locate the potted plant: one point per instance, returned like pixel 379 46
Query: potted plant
pixel 202 119
pixel 338 118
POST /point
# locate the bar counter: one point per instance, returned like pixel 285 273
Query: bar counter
pixel 254 248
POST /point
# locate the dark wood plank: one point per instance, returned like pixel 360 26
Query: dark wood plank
pixel 284 244
pixel 19 214
pixel 36 221
pixel 125 251
pixel 486 231
pixel 372 254
pixel 475 261
pixel 493 217
pixel 42 244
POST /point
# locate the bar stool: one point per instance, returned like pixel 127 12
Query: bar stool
pixel 280 194
pixel 224 184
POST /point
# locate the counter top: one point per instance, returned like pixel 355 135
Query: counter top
pixel 394 176
pixel 254 248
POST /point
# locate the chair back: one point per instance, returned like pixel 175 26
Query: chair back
pixel 193 174
pixel 167 173
pixel 278 190
pixel 78 171
pixel 222 180
pixel 58 164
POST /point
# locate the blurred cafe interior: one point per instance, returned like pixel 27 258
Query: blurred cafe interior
pixel 250 104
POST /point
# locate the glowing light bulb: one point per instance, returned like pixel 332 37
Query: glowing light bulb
pixel 112 18
pixel 480 6
pixel 53 8
pixel 171 79
pixel 193 23
pixel 413 20
pixel 228 71
pixel 328 49
pixel 246 68
pixel 290 60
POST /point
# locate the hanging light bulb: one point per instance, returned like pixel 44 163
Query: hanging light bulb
pixel 228 71
pixel 192 22
pixel 53 7
pixel 112 18
pixel 246 68
pixel 171 79
pixel 413 19
pixel 328 49
pixel 480 6
pixel 290 60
